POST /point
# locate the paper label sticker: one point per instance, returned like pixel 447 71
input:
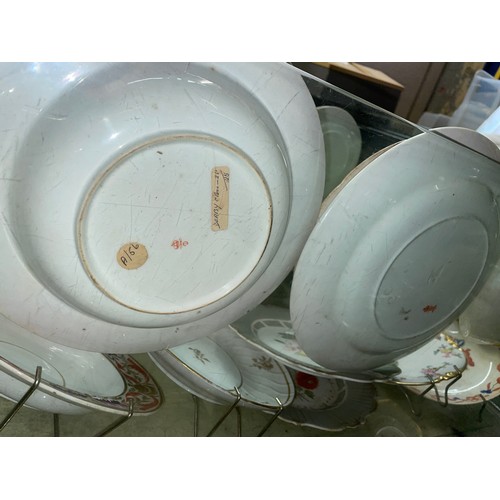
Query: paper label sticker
pixel 132 255
pixel 220 198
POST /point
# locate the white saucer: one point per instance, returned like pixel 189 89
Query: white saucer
pixel 329 404
pixel 72 381
pixel 480 379
pixel 342 144
pixel 397 253
pixel 214 367
pixel 148 258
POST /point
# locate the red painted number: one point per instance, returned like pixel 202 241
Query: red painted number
pixel 176 244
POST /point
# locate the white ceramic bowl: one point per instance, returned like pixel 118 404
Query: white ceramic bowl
pixel 150 196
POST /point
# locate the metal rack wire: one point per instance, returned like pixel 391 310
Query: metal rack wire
pixel 34 386
pixel 121 420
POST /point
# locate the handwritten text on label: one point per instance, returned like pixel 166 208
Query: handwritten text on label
pixel 220 198
pixel 132 255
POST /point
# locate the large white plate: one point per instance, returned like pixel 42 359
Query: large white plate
pixel 342 144
pixel 72 381
pixel 397 253
pixel 214 367
pixel 329 404
pixel 108 166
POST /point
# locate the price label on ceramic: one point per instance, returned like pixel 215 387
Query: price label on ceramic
pixel 220 198
pixel 132 255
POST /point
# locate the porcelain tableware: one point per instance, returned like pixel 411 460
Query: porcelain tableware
pixel 72 381
pixel 329 404
pixel 480 380
pixel 342 144
pixel 220 366
pixel 439 359
pixel 269 328
pixel 396 255
pixel 112 188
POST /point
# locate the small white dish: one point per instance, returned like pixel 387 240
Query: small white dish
pixel 72 381
pixel 329 404
pixel 343 143
pixel 398 252
pixel 217 367
pixel 480 379
pixel 127 163
pixel 439 359
pixel 269 328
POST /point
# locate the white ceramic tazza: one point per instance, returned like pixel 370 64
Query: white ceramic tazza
pixel 217 367
pixel 72 381
pixel 113 188
pixel 397 253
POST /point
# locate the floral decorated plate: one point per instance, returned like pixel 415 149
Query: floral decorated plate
pixel 269 328
pixel 115 174
pixel 329 404
pixel 219 366
pixel 480 379
pixel 439 359
pixel 72 381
